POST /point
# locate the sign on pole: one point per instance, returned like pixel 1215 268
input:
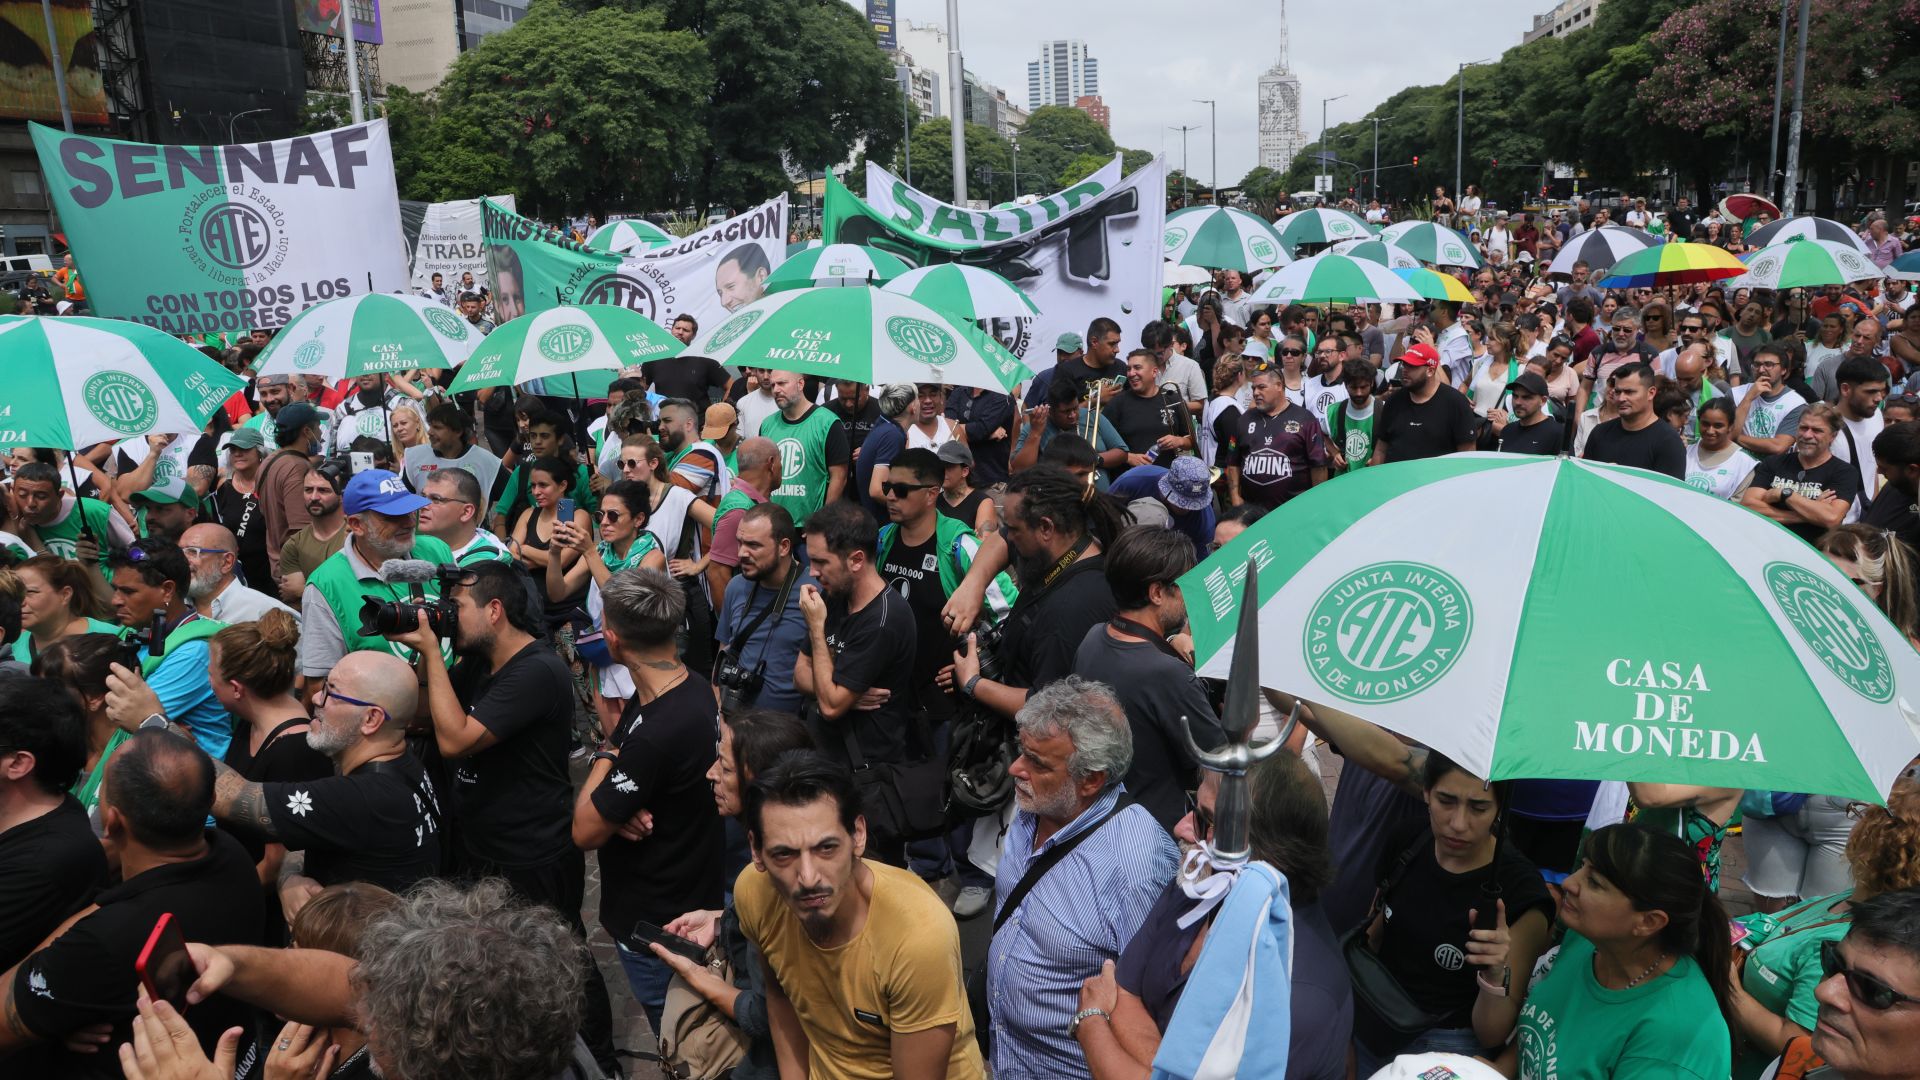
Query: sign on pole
pixel 1323 184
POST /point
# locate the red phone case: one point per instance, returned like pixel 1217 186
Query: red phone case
pixel 165 956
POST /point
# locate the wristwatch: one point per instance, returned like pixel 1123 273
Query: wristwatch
pixel 1073 1026
pixel 967 687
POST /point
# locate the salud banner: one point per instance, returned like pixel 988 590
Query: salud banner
pixel 1088 251
pixel 705 274
pixel 202 239
pixel 452 244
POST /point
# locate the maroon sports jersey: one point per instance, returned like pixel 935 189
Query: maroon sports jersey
pixel 1276 454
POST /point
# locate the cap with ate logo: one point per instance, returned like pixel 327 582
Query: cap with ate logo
pixel 379 491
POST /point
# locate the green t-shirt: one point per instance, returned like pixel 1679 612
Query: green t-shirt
pixel 1667 1028
pixel 1354 437
pixel 515 496
pixel 23 646
pixel 804 471
pixel 62 537
pixel 1782 971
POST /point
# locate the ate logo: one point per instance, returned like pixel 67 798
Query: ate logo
pixel 236 236
pixel 1833 628
pixel 121 401
pixel 793 458
pixel 1387 631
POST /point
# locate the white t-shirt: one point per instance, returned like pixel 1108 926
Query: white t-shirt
pixel 1320 396
pixel 1456 354
pixel 1183 374
pixel 942 435
pixel 1724 480
pixel 754 408
pixel 1863 432
pixel 420 462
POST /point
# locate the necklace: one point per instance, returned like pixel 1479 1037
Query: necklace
pixel 1637 979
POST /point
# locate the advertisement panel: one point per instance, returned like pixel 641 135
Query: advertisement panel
pixel 27 89
pixel 323 17
pixel 880 14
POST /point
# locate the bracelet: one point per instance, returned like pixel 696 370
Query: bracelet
pixel 1073 1026
pixel 1501 990
pixel 971 682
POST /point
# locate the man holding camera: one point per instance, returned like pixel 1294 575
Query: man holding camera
pixel 381 527
pixel 761 630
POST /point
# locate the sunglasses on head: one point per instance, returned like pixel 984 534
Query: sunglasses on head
pixel 1865 989
pixel 900 489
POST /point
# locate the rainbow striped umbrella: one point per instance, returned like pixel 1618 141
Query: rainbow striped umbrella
pixel 1435 285
pixel 1679 263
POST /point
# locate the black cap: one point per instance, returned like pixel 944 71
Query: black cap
pixel 1531 382
pixel 291 418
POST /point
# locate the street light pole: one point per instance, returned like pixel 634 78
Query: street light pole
pixel 1323 144
pixel 1376 155
pixel 1183 129
pixel 1779 89
pixel 956 102
pixel 59 66
pixel 1790 199
pixel 354 103
pixel 1460 131
pixel 1213 122
pixel 235 118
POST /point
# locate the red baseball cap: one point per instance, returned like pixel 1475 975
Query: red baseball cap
pixel 1421 356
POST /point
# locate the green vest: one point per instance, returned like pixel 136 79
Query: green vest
pixel 191 630
pixel 62 538
pixel 803 460
pixel 955 560
pixel 344 594
pixel 1353 437
pixel 732 502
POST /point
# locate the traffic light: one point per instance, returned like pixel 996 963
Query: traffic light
pixel 1416 161
pixel 1495 163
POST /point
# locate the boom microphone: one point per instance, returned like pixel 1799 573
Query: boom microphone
pixel 408 571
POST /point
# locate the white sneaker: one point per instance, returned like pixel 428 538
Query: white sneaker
pixel 972 901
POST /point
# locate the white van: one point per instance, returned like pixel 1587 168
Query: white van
pixel 25 264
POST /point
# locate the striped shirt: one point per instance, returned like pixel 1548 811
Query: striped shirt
pixel 1079 915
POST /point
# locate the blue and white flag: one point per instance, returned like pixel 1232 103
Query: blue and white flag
pixel 1245 971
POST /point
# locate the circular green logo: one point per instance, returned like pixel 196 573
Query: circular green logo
pixel 1701 481
pixel 163 470
pixel 1829 622
pixel 120 401
pixel 1340 227
pixel 1176 236
pixel 565 344
pixel 1263 249
pixel 1453 255
pixel 734 329
pixel 309 355
pixel 447 323
pixel 1387 631
pixel 921 340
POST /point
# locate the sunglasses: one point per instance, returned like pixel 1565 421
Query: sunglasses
pixel 1202 820
pixel 1293 352
pixel 632 463
pixel 609 516
pixel 900 489
pixel 1865 989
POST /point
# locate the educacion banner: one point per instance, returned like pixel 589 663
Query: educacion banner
pixel 204 239
pixel 705 274
pixel 1079 254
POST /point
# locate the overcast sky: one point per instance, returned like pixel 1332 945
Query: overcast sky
pixel 1152 62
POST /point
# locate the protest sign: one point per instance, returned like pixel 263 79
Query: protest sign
pixel 451 244
pixel 203 239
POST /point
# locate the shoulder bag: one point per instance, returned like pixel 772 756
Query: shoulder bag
pixel 1373 983
pixel 697 1040
pixel 901 800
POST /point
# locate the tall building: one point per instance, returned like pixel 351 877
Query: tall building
pixel 1282 136
pixel 1063 74
pixel 1565 17
pixel 424 37
pixel 1095 108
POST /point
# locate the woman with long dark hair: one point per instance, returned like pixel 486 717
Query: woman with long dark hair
pixel 1640 986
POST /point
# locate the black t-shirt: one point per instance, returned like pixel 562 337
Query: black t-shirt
pixel 1895 510
pixel 1226 434
pixel 241 512
pixel 1544 437
pixel 50 867
pixel 1142 421
pixel 1831 477
pixel 874 647
pixel 858 424
pixel 283 758
pixel 914 572
pixel 1424 941
pixel 378 824
pixel 666 747
pixel 1656 447
pixel 1161 696
pixel 1414 430
pixel 86 976
pixel 1077 369
pixel 1044 630
pixel 699 379
pixel 514 800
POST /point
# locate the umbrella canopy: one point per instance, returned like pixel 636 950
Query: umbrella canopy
pixel 370 334
pixel 1746 204
pixel 967 291
pixel 1906 267
pixel 74 382
pixel 1333 278
pixel 1177 274
pixel 1599 249
pixel 1435 285
pixel 1678 263
pixel 1223 238
pixel 633 234
pixel 1806 227
pixel 866 335
pixel 835 264
pixel 563 344
pixel 1321 226
pixel 1802 264
pixel 1432 243
pixel 1391 256
pixel 1489 641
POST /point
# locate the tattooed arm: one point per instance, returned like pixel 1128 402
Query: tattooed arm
pixel 14 1033
pixel 1365 744
pixel 239 801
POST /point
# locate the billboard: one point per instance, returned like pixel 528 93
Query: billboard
pixel 27 90
pixel 323 17
pixel 880 14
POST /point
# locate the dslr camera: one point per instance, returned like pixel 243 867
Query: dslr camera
pixel 380 617
pixel 739 686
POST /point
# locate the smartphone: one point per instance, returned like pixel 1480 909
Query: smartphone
pixel 566 510
pixel 164 966
pixel 361 461
pixel 645 934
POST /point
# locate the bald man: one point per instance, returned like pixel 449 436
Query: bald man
pixel 214 554
pixel 376 820
pixel 1690 371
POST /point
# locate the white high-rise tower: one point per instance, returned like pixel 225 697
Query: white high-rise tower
pixel 1063 74
pixel 1281 133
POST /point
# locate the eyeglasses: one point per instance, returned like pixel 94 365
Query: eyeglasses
pixel 1865 989
pixel 328 693
pixel 900 489
pixel 197 551
pixel 1202 820
pixel 609 516
pixel 442 500
pixel 632 463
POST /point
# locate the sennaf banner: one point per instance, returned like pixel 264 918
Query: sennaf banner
pixel 198 239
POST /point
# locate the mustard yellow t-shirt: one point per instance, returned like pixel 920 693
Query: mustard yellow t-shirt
pixel 901 973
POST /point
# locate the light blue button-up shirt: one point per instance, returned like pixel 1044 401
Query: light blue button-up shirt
pixel 1079 915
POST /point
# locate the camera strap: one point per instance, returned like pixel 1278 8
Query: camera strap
pixel 779 604
pixel 1133 629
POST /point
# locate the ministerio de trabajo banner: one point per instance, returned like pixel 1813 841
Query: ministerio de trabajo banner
pixel 203 239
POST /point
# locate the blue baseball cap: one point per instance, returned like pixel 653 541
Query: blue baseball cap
pixel 381 492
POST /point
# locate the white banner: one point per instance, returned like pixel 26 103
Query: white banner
pixel 451 245
pixel 705 274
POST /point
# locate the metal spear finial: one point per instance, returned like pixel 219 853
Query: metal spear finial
pixel 1233 811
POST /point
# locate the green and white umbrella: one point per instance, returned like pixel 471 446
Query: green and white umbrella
pixel 865 335
pixel 581 349
pixel 835 264
pixel 967 291
pixel 1320 226
pixel 633 234
pixel 1176 274
pixel 1329 278
pixel 74 382
pixel 1222 238
pixel 1802 263
pixel 1520 644
pixel 1431 243
pixel 1391 256
pixel 370 334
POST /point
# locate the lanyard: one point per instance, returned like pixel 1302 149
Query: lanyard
pixel 1065 561
pixel 1128 626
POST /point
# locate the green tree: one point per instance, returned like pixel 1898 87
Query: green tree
pixel 1082 167
pixel 1134 160
pixel 1263 187
pixel 989 161
pixel 1054 135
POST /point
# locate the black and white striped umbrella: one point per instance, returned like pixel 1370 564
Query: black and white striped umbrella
pixel 1806 227
pixel 1599 249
